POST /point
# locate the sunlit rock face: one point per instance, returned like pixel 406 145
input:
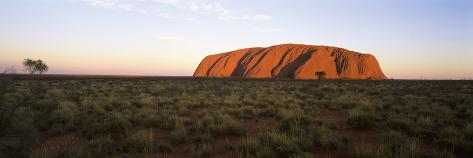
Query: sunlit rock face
pixel 292 61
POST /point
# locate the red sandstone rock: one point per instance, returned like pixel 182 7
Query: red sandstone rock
pixel 291 61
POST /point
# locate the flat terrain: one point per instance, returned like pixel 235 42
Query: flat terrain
pixel 100 116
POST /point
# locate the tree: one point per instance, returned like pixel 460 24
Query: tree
pixel 40 67
pixel 29 65
pixel 33 66
pixel 320 75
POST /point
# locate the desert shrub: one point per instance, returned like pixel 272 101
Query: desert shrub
pixel 388 101
pixel 247 112
pixel 468 132
pixel 77 148
pixel 301 155
pixel 101 147
pixel 247 101
pixel 119 104
pixel 266 152
pixel 231 100
pixel 423 127
pixel 349 101
pixel 366 150
pixel 66 146
pixel 457 140
pixel 302 128
pixel 328 87
pixel 95 105
pixel 143 141
pixel 219 124
pixel 9 106
pixel 179 134
pixel 268 112
pixel 225 91
pixel 45 105
pixel 55 93
pixel 21 121
pixel 225 124
pixel 39 88
pixel 146 118
pixel 114 125
pixel 35 116
pixel 464 112
pixel 11 147
pixel 182 109
pixel 202 136
pixel 201 150
pixel 360 119
pixel 396 144
pixel 172 90
pixel 144 100
pixel 169 119
pixel 437 153
pixel 63 118
pixel 270 143
pixel 331 140
pixel 5 83
pixel 157 89
pixel 414 101
pixel 397 122
pixel 284 113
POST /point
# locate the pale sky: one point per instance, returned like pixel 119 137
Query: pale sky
pixel 432 39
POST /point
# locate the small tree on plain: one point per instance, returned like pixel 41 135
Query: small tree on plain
pixel 33 66
pixel 320 75
pixel 29 65
pixel 41 67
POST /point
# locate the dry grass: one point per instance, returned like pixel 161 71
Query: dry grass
pixel 186 117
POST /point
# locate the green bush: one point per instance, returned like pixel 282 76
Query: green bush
pixel 350 101
pixel 102 147
pixel 65 146
pixel 368 151
pixel 396 144
pixel 114 125
pixel 331 140
pixel 301 127
pixel 468 131
pixel 458 145
pixel 225 124
pixel 63 119
pixel 179 134
pixel 11 147
pixel 202 150
pixel 270 143
pixel 144 142
pixel 360 119
pixel 219 124
pixel 400 123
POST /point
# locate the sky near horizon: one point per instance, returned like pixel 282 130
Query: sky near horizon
pixel 412 39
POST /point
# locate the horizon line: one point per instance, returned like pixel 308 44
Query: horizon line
pixel 191 76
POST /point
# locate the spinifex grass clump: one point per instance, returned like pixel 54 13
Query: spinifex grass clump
pixel 219 124
pixel 270 144
pixel 361 119
pixel 393 145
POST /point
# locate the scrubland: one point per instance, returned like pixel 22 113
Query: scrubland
pixel 68 116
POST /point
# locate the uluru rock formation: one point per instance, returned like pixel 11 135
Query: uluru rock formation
pixel 292 61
